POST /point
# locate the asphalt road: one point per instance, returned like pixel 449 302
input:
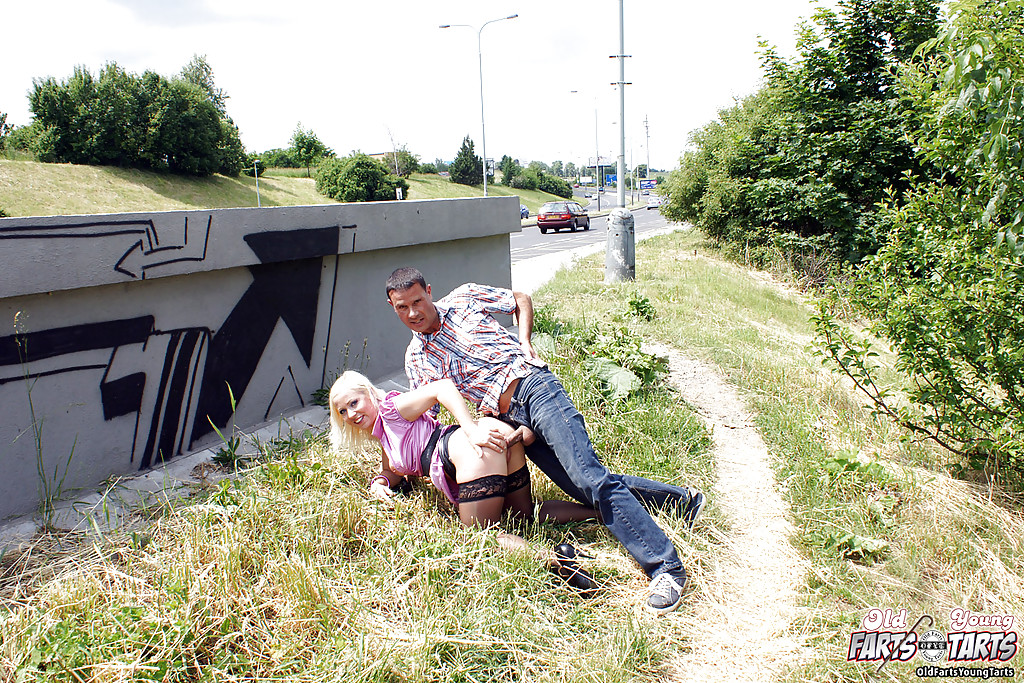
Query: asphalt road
pixel 530 243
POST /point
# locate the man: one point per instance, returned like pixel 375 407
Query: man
pixel 458 338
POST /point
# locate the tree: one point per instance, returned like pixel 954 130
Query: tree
pixel 509 168
pixel 123 119
pixel 308 149
pixel 199 72
pixel 945 288
pixel 571 171
pixel 802 164
pixel 358 178
pixel 4 130
pixel 468 168
pixel 402 162
pixel 558 168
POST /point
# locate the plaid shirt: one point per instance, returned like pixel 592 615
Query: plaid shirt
pixel 471 348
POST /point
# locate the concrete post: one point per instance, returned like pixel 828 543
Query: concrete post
pixel 620 248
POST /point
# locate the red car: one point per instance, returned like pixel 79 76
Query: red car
pixel 558 215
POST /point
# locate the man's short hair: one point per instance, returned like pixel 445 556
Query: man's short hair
pixel 404 278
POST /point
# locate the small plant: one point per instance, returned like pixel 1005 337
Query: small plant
pixel 227 454
pixel 50 488
pixel 641 307
pixel 861 549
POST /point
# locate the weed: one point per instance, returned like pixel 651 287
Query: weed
pixel 51 488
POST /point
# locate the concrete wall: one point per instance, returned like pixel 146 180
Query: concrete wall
pixel 124 331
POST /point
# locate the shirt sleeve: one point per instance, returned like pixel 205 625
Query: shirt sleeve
pixel 490 299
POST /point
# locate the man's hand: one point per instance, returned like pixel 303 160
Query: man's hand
pixel 531 355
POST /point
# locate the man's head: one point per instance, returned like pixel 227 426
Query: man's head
pixel 409 296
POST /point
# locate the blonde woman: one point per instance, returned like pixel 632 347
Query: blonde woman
pixel 479 465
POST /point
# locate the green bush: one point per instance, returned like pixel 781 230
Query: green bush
pixel 251 162
pixel 358 178
pixel 280 158
pixel 946 288
pixel 554 185
pixel 22 138
pixel 813 153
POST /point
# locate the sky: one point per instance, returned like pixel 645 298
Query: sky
pixel 373 75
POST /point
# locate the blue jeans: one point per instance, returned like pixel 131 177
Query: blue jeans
pixel 564 453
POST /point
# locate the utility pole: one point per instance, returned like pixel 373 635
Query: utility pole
pixel 621 169
pixel 647 131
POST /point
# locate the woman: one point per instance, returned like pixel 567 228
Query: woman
pixel 479 465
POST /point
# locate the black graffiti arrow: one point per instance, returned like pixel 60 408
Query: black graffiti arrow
pixel 285 286
pixel 138 257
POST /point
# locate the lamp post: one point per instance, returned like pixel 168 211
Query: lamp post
pixel 480 59
pixel 256 175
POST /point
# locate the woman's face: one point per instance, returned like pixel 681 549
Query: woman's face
pixel 356 408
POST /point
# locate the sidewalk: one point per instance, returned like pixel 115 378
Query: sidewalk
pixel 185 475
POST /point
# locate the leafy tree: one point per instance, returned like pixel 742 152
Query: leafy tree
pixel 509 168
pixel 641 170
pixel 123 119
pixel 358 178
pixel 279 158
pixel 539 167
pixel 307 148
pixel 199 72
pixel 468 168
pixel 558 168
pixel 428 168
pixel 4 130
pixel 945 288
pixel 525 179
pixel 402 162
pixel 571 171
pixel 441 165
pixel 803 163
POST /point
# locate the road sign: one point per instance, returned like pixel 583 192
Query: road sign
pixel 609 178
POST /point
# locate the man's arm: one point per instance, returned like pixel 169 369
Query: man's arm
pixel 524 318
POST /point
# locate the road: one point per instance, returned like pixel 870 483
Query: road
pixel 530 243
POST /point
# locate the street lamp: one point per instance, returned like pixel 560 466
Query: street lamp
pixel 480 59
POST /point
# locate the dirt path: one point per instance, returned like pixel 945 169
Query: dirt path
pixel 742 629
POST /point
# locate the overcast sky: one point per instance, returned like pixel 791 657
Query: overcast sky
pixel 366 74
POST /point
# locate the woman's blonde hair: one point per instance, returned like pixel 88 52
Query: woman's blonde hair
pixel 344 435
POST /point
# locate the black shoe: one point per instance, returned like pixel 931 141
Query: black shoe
pixel 694 507
pixel 570 572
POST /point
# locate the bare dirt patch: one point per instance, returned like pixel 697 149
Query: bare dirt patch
pixel 743 627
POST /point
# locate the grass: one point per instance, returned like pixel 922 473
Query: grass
pixel 878 520
pixel 30 188
pixel 290 572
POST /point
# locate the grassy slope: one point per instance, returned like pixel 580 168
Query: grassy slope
pixel 29 188
pixel 282 570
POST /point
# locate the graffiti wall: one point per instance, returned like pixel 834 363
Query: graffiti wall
pixel 130 337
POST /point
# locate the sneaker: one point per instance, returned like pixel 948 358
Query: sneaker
pixel 666 592
pixel 568 570
pixel 694 507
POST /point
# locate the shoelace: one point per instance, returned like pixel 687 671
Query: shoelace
pixel 663 586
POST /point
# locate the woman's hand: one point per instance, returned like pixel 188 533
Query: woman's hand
pixel 482 437
pixel 381 491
